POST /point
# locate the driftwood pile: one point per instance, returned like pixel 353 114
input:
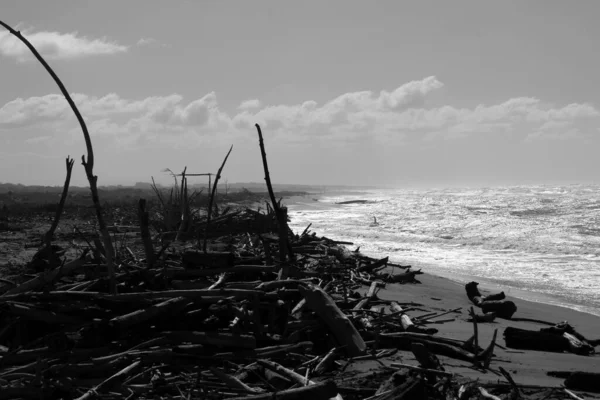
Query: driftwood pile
pixel 216 324
pixel 247 311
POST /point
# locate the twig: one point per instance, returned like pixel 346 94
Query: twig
pixel 61 204
pixel 212 198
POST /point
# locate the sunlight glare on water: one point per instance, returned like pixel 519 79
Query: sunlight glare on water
pixel 541 239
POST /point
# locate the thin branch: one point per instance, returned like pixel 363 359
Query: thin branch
pixel 266 168
pixel 61 205
pixel 212 198
pixel 89 165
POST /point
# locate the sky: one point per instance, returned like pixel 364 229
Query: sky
pixel 398 93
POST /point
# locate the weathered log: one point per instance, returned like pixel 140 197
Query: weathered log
pixel 578 344
pixel 517 338
pixel 492 303
pixel 339 324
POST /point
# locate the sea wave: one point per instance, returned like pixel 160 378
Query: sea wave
pixel 541 239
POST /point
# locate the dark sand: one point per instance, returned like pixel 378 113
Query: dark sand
pixel 527 367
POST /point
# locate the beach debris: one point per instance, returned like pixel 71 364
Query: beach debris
pixel 220 316
pixel 491 303
pixel 559 338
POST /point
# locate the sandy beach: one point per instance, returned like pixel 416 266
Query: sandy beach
pixel 527 367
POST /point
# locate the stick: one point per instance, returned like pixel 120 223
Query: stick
pixel 145 232
pixel 89 165
pixel 280 212
pixel 111 382
pixel 212 198
pixel 61 204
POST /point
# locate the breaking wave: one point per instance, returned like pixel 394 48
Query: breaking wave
pixel 544 240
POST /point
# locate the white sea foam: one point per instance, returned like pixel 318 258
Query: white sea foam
pixel 540 239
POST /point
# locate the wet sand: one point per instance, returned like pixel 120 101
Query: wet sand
pixel 528 367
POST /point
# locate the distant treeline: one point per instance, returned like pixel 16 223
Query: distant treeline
pixel 143 186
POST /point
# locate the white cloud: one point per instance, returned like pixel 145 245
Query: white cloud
pixel 250 104
pixel 55 45
pixel 391 117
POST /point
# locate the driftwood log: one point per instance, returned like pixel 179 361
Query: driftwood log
pixel 339 324
pixel 495 303
pixel 559 338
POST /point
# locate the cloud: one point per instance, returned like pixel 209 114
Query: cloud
pixel 396 117
pixel 57 46
pixel 249 104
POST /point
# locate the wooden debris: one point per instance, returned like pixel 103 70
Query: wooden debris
pixel 492 303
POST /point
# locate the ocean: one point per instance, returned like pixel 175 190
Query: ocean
pixel 540 243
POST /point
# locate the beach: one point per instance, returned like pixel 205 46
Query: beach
pixel 527 367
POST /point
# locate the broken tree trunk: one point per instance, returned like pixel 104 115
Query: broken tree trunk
pixel 280 212
pixel 545 340
pixel 339 324
pixel 492 303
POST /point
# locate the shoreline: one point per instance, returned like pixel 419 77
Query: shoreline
pixel 528 367
pixel 438 292
pixel 303 204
